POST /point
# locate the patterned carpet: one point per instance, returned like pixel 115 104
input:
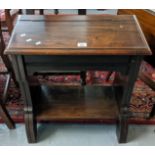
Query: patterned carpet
pixel 141 104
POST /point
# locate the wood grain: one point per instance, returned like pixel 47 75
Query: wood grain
pixel 146 19
pixel 60 35
pixel 60 103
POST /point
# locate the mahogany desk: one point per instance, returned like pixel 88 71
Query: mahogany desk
pixel 46 43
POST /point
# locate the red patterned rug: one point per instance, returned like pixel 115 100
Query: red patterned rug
pixel 143 97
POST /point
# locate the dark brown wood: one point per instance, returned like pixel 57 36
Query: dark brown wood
pixel 6 117
pixel 90 103
pixel 83 77
pixel 30 122
pixel 114 43
pixel 3 112
pixel 82 74
pixel 75 63
pixel 29 117
pixel 5 58
pixel 122 127
pixel 9 20
pixel 102 36
pixel 146 19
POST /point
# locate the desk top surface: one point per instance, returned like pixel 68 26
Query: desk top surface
pixel 77 35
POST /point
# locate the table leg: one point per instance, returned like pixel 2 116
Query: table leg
pixel 6 117
pixel 83 78
pixel 30 122
pixel 122 126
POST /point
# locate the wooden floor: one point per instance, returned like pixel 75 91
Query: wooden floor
pixel 89 103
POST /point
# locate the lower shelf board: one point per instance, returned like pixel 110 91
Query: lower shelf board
pixel 77 104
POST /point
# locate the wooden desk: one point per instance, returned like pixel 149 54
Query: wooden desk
pixel 114 43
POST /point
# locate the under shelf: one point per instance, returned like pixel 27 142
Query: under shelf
pixel 89 103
